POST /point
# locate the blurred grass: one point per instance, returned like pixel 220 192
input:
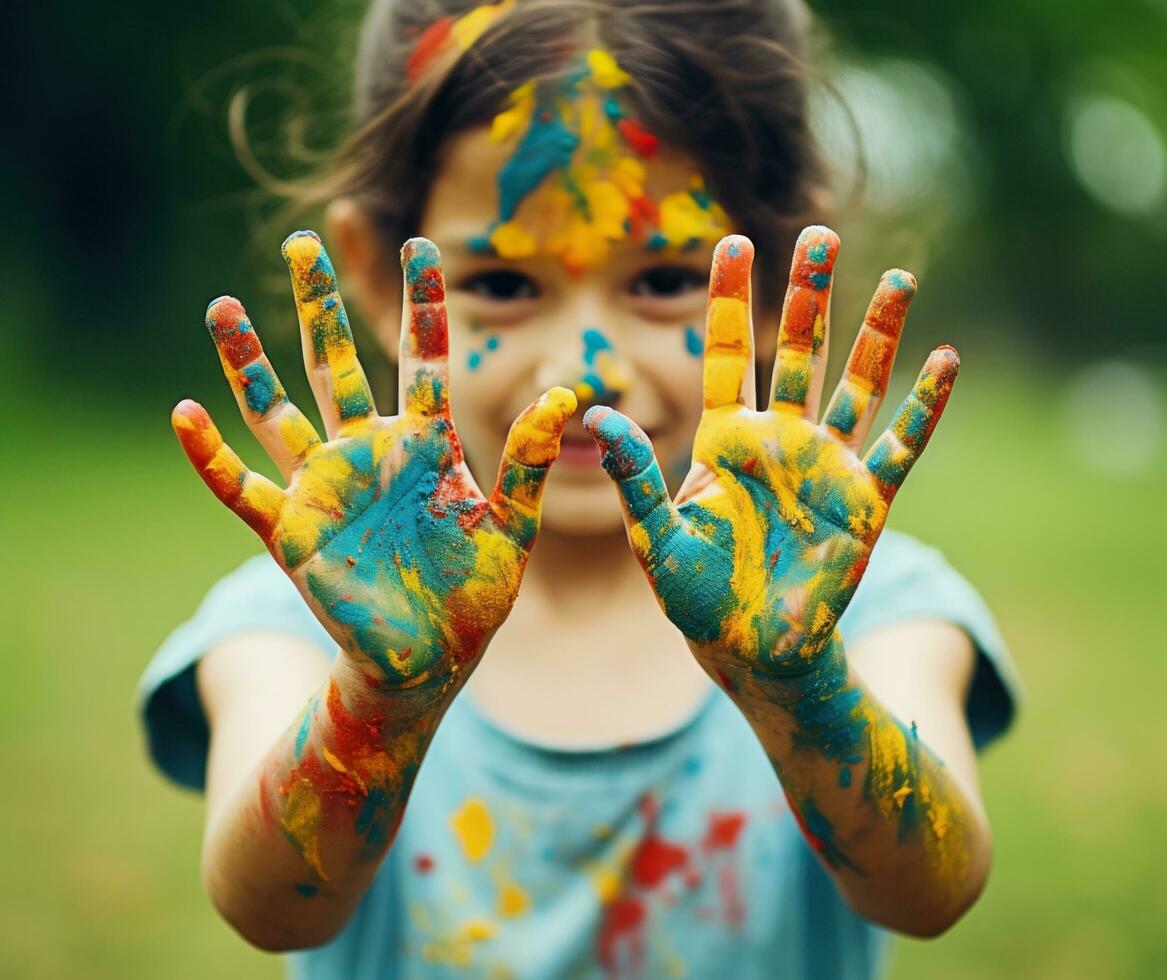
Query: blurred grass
pixel 117 540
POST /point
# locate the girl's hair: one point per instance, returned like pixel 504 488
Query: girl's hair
pixel 722 80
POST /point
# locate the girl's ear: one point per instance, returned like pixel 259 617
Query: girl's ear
pixel 370 276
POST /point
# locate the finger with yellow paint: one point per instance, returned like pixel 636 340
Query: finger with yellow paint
pixel 729 335
pixel 532 446
pixel 330 357
pixel 253 497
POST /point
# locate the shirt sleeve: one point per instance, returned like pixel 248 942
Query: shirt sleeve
pixel 909 580
pixel 256 596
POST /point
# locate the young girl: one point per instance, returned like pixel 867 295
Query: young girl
pixel 751 784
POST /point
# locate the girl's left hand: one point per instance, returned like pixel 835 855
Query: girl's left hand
pixel 771 532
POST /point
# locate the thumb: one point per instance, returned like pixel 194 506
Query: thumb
pixel 626 453
pixel 532 446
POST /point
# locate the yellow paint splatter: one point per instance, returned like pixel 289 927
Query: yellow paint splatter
pixel 474 829
pixel 512 901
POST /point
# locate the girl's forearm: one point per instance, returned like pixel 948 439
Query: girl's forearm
pixel 289 858
pixel 905 844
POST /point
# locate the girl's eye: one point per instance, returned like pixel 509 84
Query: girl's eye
pixel 502 285
pixel 668 281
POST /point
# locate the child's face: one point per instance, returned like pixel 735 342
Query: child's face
pixel 625 333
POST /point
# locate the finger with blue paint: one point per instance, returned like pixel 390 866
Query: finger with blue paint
pixel 278 425
pixel 423 366
pixel 861 389
pixel 895 452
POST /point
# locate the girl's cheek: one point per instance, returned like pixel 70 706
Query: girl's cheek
pixel 482 347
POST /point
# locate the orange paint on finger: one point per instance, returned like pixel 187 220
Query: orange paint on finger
pixel 732 261
pixel 234 337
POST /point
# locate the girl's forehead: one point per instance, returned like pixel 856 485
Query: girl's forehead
pixel 566 170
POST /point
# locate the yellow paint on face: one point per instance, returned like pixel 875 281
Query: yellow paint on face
pixel 683 220
pixel 473 828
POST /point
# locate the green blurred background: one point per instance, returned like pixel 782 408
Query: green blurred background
pixel 1017 162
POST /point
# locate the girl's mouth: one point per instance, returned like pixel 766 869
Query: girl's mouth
pixel 578 450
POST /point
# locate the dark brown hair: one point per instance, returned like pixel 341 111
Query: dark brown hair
pixel 723 80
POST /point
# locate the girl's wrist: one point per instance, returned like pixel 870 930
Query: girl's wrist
pixel 385 709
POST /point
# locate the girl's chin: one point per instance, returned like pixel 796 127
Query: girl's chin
pixel 581 508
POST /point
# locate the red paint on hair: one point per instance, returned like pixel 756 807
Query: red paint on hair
pixel 433 39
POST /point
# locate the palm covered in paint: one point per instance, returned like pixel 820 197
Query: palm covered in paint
pixel 779 513
pixel 401 557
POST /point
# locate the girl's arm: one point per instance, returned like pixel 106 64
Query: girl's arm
pixel 892 807
pixel 404 561
pixel 760 555
pixel 299 815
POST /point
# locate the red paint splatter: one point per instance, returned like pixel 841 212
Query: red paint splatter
pixel 724 830
pixel 725 681
pixel 655 859
pixel 429 45
pixel 428 326
pixel 423 863
pixel 643 213
pixel 372 681
pixel 643 142
pixel 623 924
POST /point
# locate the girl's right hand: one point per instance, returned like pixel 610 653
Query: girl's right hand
pixel 382 528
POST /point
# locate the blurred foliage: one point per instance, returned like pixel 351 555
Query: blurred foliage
pixel 127 209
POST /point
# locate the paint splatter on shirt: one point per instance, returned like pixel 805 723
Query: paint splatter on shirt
pixel 673 858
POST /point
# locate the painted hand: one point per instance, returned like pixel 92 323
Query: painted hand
pixel 771 531
pixel 382 528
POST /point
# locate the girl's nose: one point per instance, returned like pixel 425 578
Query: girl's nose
pixel 604 376
pixel 591 367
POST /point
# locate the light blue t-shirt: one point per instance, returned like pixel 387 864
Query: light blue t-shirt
pixel 672 858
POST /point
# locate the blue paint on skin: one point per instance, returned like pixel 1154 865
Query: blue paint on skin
pixel 843 415
pixel 546 146
pixel 305 727
pixel 474 360
pixel 694 342
pixel 492 343
pixel 307 890
pixel 845 777
pixel 821 827
pixel 594 342
pixel 409 534
pixel 734 250
pixel 261 391
pixel 820 280
pixel 690 563
pixel 817 252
